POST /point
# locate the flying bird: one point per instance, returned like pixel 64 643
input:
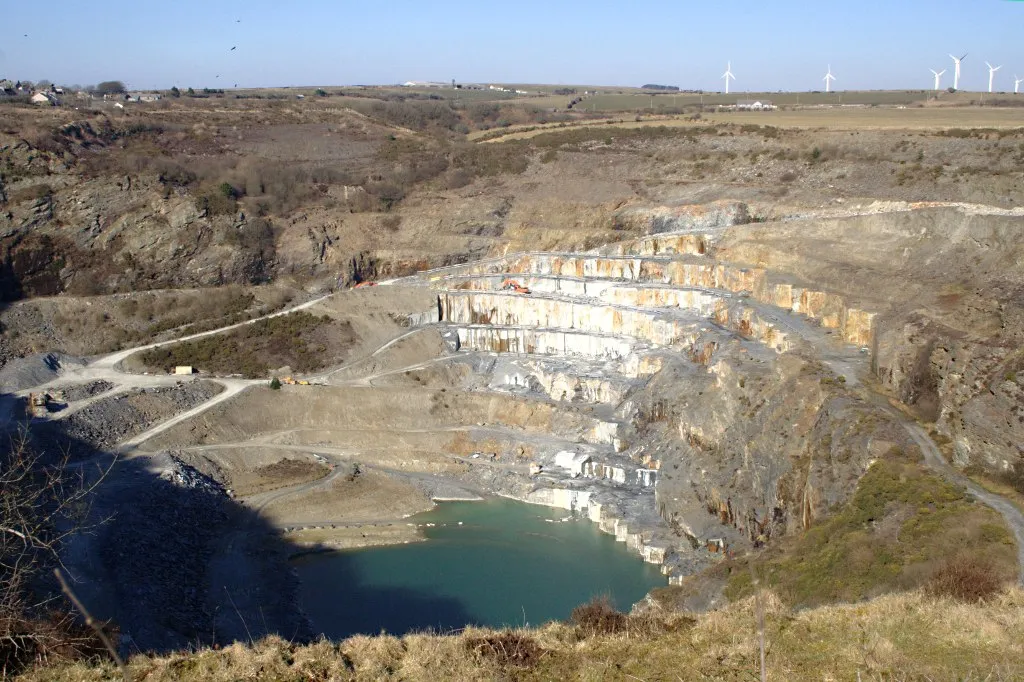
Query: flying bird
pixel 232 48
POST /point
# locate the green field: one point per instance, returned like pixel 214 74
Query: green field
pixel 635 102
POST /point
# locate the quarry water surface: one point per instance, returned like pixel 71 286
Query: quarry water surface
pixel 505 565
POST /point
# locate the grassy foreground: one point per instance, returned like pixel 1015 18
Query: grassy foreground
pixel 900 636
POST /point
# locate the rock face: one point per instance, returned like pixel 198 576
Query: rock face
pixel 939 289
pixel 687 218
pixel 728 380
pixel 732 359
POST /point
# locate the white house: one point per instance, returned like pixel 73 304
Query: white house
pixel 754 105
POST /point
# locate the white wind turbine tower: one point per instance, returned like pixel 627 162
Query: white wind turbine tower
pixel 992 74
pixel 727 75
pixel 828 79
pixel 956 71
pixel 1016 84
pixel 938 77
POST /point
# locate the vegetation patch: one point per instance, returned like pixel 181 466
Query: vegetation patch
pixel 896 637
pixel 301 341
pixel 966 578
pixel 281 474
pixel 506 648
pixel 902 528
pixel 598 617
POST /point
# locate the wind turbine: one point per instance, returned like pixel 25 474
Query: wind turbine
pixel 1016 84
pixel 938 76
pixel 727 75
pixel 992 74
pixel 828 79
pixel 956 71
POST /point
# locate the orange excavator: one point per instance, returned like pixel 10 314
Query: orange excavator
pixel 512 285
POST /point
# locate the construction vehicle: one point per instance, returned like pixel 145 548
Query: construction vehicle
pixel 513 285
pixel 41 405
pixel 290 381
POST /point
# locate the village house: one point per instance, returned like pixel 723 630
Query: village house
pixel 754 105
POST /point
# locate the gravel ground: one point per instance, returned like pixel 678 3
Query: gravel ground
pixel 107 422
pixel 22 373
pixel 75 392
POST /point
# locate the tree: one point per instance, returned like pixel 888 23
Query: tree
pixel 175 92
pixel 275 384
pixel 111 88
pixel 43 503
pixel 191 92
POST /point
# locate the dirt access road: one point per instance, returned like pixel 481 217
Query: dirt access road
pixel 1011 514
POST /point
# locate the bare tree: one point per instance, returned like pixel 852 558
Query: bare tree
pixel 43 501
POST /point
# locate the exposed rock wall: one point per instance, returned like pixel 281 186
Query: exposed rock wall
pixel 752 453
pixel 828 309
pixel 943 285
pixel 685 218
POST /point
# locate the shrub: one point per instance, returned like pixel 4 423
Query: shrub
pixel 506 648
pixel 598 617
pixel 275 384
pixel 44 503
pixel 966 578
pixel 215 202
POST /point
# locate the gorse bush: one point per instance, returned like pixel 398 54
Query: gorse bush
pixel 598 617
pixel 506 648
pixel 968 579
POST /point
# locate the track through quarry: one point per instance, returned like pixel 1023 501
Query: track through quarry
pixel 654 386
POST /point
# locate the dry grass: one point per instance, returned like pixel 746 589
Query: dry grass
pixel 906 636
pixel 886 118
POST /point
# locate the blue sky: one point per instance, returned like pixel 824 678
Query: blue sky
pixel 773 44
